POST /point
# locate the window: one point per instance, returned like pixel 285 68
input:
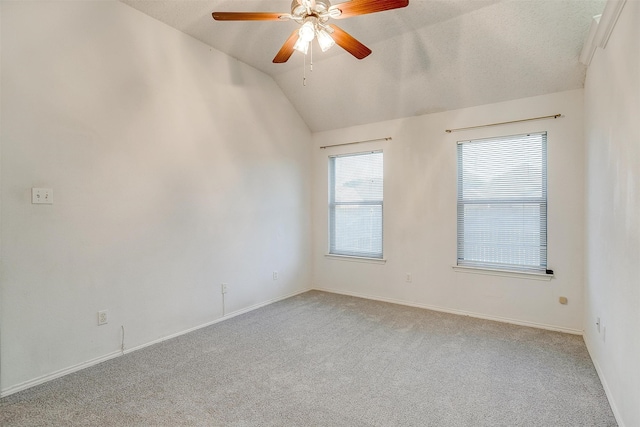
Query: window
pixel 502 203
pixel 355 205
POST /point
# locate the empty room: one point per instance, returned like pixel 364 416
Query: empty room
pixel 315 213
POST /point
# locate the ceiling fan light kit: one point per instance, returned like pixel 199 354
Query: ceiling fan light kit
pixel 312 15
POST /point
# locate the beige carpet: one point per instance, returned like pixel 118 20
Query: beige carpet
pixel 321 359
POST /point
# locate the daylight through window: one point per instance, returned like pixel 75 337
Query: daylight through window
pixel 502 203
pixel 355 205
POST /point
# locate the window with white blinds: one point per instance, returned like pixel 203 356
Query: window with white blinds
pixel 502 203
pixel 355 205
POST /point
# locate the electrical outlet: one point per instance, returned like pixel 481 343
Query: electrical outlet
pixel 408 278
pixel 223 287
pixel 42 196
pixel 103 317
pixel 275 275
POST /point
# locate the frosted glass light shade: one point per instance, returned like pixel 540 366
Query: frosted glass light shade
pixel 301 46
pixel 307 32
pixel 325 40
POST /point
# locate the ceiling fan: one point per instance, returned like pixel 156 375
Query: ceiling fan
pixel 313 15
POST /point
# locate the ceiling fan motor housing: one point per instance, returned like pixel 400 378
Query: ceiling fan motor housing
pixel 300 9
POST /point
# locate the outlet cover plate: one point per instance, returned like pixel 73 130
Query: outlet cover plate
pixel 103 317
pixel 42 196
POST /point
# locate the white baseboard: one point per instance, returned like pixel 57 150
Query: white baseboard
pixel 57 374
pixel 605 385
pixel 455 311
pixel 71 369
pixel 213 322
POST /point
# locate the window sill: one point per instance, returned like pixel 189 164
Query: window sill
pixel 503 273
pixel 356 259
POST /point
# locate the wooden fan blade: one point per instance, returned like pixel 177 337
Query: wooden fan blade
pixel 287 48
pixel 348 43
pixel 249 16
pixel 362 7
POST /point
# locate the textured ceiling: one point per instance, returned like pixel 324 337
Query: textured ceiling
pixel 433 55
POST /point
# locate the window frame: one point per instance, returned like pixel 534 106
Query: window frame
pixel 331 252
pixel 492 267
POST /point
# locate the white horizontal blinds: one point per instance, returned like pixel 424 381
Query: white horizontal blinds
pixel 355 204
pixel 502 202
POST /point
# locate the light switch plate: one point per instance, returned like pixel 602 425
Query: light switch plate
pixel 41 196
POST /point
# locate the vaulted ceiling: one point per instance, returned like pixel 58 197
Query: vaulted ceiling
pixel 433 55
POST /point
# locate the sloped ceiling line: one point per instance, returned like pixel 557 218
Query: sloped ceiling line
pixel 433 55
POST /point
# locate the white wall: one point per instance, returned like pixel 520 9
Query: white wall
pixel 420 215
pixel 174 168
pixel 612 105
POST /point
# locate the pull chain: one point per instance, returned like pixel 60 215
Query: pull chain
pixel 304 64
pixel 304 70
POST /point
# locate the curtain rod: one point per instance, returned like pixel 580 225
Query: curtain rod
pixel 388 138
pixel 555 116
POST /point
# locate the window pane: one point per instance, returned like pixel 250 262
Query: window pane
pixel 358 230
pixel 503 168
pixel 508 235
pixel 358 178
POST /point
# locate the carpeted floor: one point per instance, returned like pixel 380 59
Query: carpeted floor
pixel 320 359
